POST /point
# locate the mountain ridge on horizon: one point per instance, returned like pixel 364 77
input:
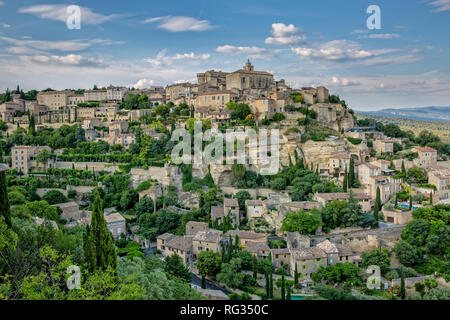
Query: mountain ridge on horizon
pixel 430 113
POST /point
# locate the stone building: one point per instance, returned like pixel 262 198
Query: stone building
pixel 208 240
pixel 255 210
pixel 248 78
pixel 95 95
pixel 216 99
pixel 192 227
pixel 427 157
pixel 384 146
pixel 440 177
pixel 179 91
pixel 54 99
pixel 23 158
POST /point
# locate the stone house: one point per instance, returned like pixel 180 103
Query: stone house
pixel 255 210
pixel 338 163
pixel 192 227
pixel 258 249
pixel 384 146
pixel 95 95
pixel 121 126
pixel 440 177
pixel 208 240
pixel 427 157
pixel 23 158
pixel 308 261
pixel 70 210
pixel 280 257
pixel 170 244
pixel 217 99
pixel 397 216
pixel 246 236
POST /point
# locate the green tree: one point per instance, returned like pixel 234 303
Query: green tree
pixel 407 254
pixel 175 267
pixel 345 183
pixel 283 294
pixel 255 268
pixel 351 173
pixel 32 126
pixel 402 292
pixel 54 197
pixel 4 202
pixel 296 275
pixel 417 175
pixel 99 249
pixel 208 263
pixel 377 257
pixel 301 221
pixel 378 202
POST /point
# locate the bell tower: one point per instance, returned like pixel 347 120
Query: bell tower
pixel 248 66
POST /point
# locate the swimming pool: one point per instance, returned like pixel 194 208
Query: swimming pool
pixel 406 206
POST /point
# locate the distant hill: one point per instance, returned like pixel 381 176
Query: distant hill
pixel 421 113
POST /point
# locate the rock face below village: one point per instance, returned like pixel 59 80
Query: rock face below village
pixel 315 152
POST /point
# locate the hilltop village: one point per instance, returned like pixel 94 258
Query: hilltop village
pixel 80 165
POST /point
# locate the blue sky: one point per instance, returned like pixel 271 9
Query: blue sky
pixel 324 42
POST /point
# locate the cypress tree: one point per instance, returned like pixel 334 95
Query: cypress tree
pixel 203 282
pixel 32 126
pixel 402 292
pixel 302 165
pixel 255 268
pixel 99 249
pixel 4 202
pixel 410 201
pixel 375 212
pixel 267 285
pixel 271 285
pixel 345 183
pixel 351 173
pixel 396 201
pixel 283 295
pixel 288 296
pixel 378 199
pixel 403 167
pixel 296 275
pixel 431 197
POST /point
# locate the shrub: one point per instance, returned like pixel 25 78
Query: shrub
pixel 354 140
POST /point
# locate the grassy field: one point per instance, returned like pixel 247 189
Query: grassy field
pixel 439 128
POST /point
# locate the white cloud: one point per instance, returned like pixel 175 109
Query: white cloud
pixel 180 23
pixel 2 3
pixel 65 46
pixel 250 52
pixel 5 25
pixel 162 59
pixel 336 50
pixel 67 60
pixel 344 82
pixel 440 5
pixel 58 12
pixel 142 83
pixel 380 36
pixel 285 34
pixel 359 31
